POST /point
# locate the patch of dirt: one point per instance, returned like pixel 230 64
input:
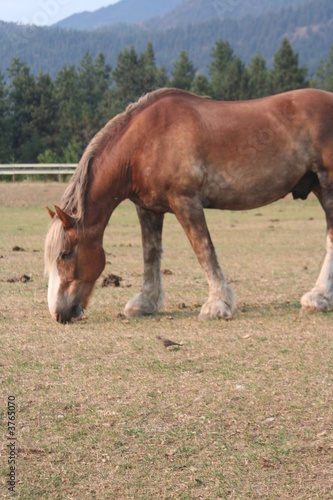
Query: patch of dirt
pixel 112 280
pixel 18 249
pixel 23 279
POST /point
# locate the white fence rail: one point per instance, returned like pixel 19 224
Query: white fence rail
pixel 58 169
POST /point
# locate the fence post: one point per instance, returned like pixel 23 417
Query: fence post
pixel 13 173
pixel 59 176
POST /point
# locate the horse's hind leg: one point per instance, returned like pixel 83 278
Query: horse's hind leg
pixel 320 298
pixel 221 301
pixel 151 297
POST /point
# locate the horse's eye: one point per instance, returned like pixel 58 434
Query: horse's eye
pixel 67 255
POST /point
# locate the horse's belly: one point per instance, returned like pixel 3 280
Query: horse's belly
pixel 234 191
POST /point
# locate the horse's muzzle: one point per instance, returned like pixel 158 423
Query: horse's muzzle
pixel 71 313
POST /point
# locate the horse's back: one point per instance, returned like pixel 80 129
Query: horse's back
pixel 233 155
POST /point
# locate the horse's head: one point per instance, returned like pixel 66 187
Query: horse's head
pixel 74 259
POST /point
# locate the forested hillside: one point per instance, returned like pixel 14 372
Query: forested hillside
pixel 161 15
pixel 52 119
pixel 199 11
pixel 309 28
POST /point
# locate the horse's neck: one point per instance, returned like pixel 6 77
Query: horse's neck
pixel 108 188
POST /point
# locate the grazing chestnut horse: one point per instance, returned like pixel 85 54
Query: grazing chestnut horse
pixel 179 153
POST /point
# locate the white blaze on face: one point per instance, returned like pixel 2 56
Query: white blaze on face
pixel 52 294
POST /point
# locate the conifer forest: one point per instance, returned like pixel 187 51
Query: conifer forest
pixel 51 119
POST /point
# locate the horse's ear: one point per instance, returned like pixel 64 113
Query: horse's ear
pixel 50 212
pixel 67 221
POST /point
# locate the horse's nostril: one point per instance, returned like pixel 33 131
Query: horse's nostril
pixel 76 312
pixel 64 320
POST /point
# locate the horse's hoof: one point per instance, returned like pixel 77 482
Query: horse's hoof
pixel 215 309
pixel 141 305
pixel 316 302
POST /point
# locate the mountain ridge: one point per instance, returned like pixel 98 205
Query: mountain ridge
pixel 155 14
pixel 198 11
pixel 309 27
pixel 125 11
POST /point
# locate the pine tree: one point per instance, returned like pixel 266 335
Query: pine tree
pixel 258 76
pixel 22 102
pixel 184 72
pixel 86 82
pixel 222 55
pixel 68 97
pixel 127 77
pixel 5 137
pixel 44 114
pixel 152 77
pixel 286 73
pixel 201 86
pixel 162 78
pixel 94 81
pixel 324 74
pixel 103 77
pixel 148 69
pixel 229 79
pixel 236 81
pixel 102 85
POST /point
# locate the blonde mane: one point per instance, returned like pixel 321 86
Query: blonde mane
pixel 54 243
pixel 73 199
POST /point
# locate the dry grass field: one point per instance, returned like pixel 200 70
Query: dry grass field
pixel 240 410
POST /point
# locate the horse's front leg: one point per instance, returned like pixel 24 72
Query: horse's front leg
pixel 221 301
pixel 151 297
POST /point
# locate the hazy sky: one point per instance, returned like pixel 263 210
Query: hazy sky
pixel 45 12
